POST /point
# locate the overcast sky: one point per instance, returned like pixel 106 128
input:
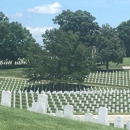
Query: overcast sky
pixel 37 15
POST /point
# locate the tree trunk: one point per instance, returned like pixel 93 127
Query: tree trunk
pixel 13 63
pixel 107 64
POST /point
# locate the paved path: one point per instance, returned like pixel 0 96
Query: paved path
pixel 110 117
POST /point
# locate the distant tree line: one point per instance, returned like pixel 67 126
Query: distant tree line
pixel 14 40
pixel 66 53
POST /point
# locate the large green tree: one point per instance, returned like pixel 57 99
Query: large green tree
pixel 4 25
pixel 37 60
pixel 63 58
pixel 14 40
pixel 124 34
pixel 81 23
pixel 69 59
pixel 110 47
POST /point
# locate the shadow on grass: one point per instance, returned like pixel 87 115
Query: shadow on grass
pixel 12 67
pixel 56 87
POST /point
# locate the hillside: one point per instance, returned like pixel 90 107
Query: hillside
pixel 15 119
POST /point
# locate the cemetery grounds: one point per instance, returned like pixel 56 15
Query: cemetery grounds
pixel 109 89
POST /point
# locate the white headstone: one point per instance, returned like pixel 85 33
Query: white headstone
pixel 41 105
pixel 41 98
pixel 119 123
pixel 95 120
pixel 128 125
pixel 68 111
pixel 32 94
pixel 52 114
pixel 6 98
pixel 34 106
pixel 103 116
pixel 59 113
pixel 20 98
pixel 26 95
pixel 88 117
pixel 41 108
pixel 14 99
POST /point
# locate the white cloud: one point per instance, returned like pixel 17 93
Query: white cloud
pixel 46 9
pixel 37 32
pixel 20 15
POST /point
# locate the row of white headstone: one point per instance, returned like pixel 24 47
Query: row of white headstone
pixel 41 107
pixel 114 78
pixel 120 78
pixel 101 119
pixel 19 62
pixel 89 102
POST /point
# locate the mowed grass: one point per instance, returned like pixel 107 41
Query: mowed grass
pixel 19 72
pixel 15 119
pixel 126 62
pixel 14 73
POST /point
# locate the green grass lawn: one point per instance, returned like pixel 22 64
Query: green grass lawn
pixel 15 119
pixel 14 73
pixel 126 62
pixel 19 73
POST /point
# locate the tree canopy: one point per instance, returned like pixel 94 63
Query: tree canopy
pixel 124 34
pixel 67 51
pixel 72 59
pixel 110 47
pixel 37 62
pixel 79 22
pixel 14 40
pixel 66 54
pixel 63 58
pixel 3 17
